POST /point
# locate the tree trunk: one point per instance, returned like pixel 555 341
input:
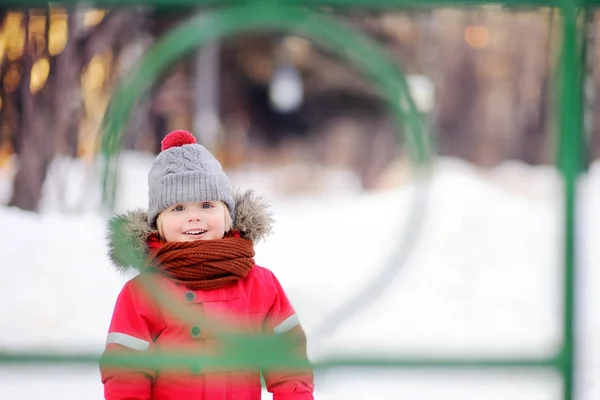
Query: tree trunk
pixel 35 147
pixel 48 121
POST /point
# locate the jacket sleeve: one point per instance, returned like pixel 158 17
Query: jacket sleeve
pixel 133 326
pixel 282 320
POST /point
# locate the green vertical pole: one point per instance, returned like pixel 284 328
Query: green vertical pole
pixel 570 97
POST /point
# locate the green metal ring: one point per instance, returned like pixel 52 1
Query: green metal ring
pixel 350 44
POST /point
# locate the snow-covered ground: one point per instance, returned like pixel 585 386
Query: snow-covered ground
pixel 482 277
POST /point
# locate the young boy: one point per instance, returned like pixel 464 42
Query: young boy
pixel 194 249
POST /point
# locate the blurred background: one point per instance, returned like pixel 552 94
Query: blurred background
pixel 471 259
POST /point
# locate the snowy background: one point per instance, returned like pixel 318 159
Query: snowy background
pixel 482 278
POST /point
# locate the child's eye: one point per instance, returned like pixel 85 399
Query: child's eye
pixel 178 207
pixel 207 205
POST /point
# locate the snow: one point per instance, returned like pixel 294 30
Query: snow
pixel 482 277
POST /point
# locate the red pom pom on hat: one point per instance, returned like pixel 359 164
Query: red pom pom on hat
pixel 176 139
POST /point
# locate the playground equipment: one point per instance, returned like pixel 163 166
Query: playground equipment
pixel 302 18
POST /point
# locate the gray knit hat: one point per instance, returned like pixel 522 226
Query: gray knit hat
pixel 185 171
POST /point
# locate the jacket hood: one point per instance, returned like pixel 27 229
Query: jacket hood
pixel 128 232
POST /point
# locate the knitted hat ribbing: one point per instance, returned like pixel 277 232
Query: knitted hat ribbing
pixel 183 172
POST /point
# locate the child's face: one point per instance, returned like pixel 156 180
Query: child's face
pixel 193 221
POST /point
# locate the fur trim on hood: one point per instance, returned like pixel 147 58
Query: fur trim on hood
pixel 128 232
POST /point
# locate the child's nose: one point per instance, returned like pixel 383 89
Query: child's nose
pixel 194 215
pixel 193 218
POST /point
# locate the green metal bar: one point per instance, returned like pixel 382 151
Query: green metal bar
pixel 275 361
pixel 351 45
pixel 570 96
pixel 364 4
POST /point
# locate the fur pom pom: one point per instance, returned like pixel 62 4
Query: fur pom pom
pixel 176 139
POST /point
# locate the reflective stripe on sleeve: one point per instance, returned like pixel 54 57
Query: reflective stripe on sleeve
pixel 127 341
pixel 288 324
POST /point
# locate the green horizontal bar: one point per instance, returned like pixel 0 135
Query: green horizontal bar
pixel 371 4
pixel 166 361
pixel 440 363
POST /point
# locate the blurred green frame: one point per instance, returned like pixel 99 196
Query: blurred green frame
pixel 192 34
pixel 302 17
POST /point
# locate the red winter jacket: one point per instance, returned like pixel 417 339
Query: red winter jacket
pixel 255 304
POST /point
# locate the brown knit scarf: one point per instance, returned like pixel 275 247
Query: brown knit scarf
pixel 205 264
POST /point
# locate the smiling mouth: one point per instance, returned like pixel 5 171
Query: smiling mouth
pixel 197 232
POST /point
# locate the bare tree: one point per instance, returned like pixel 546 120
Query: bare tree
pixel 46 123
